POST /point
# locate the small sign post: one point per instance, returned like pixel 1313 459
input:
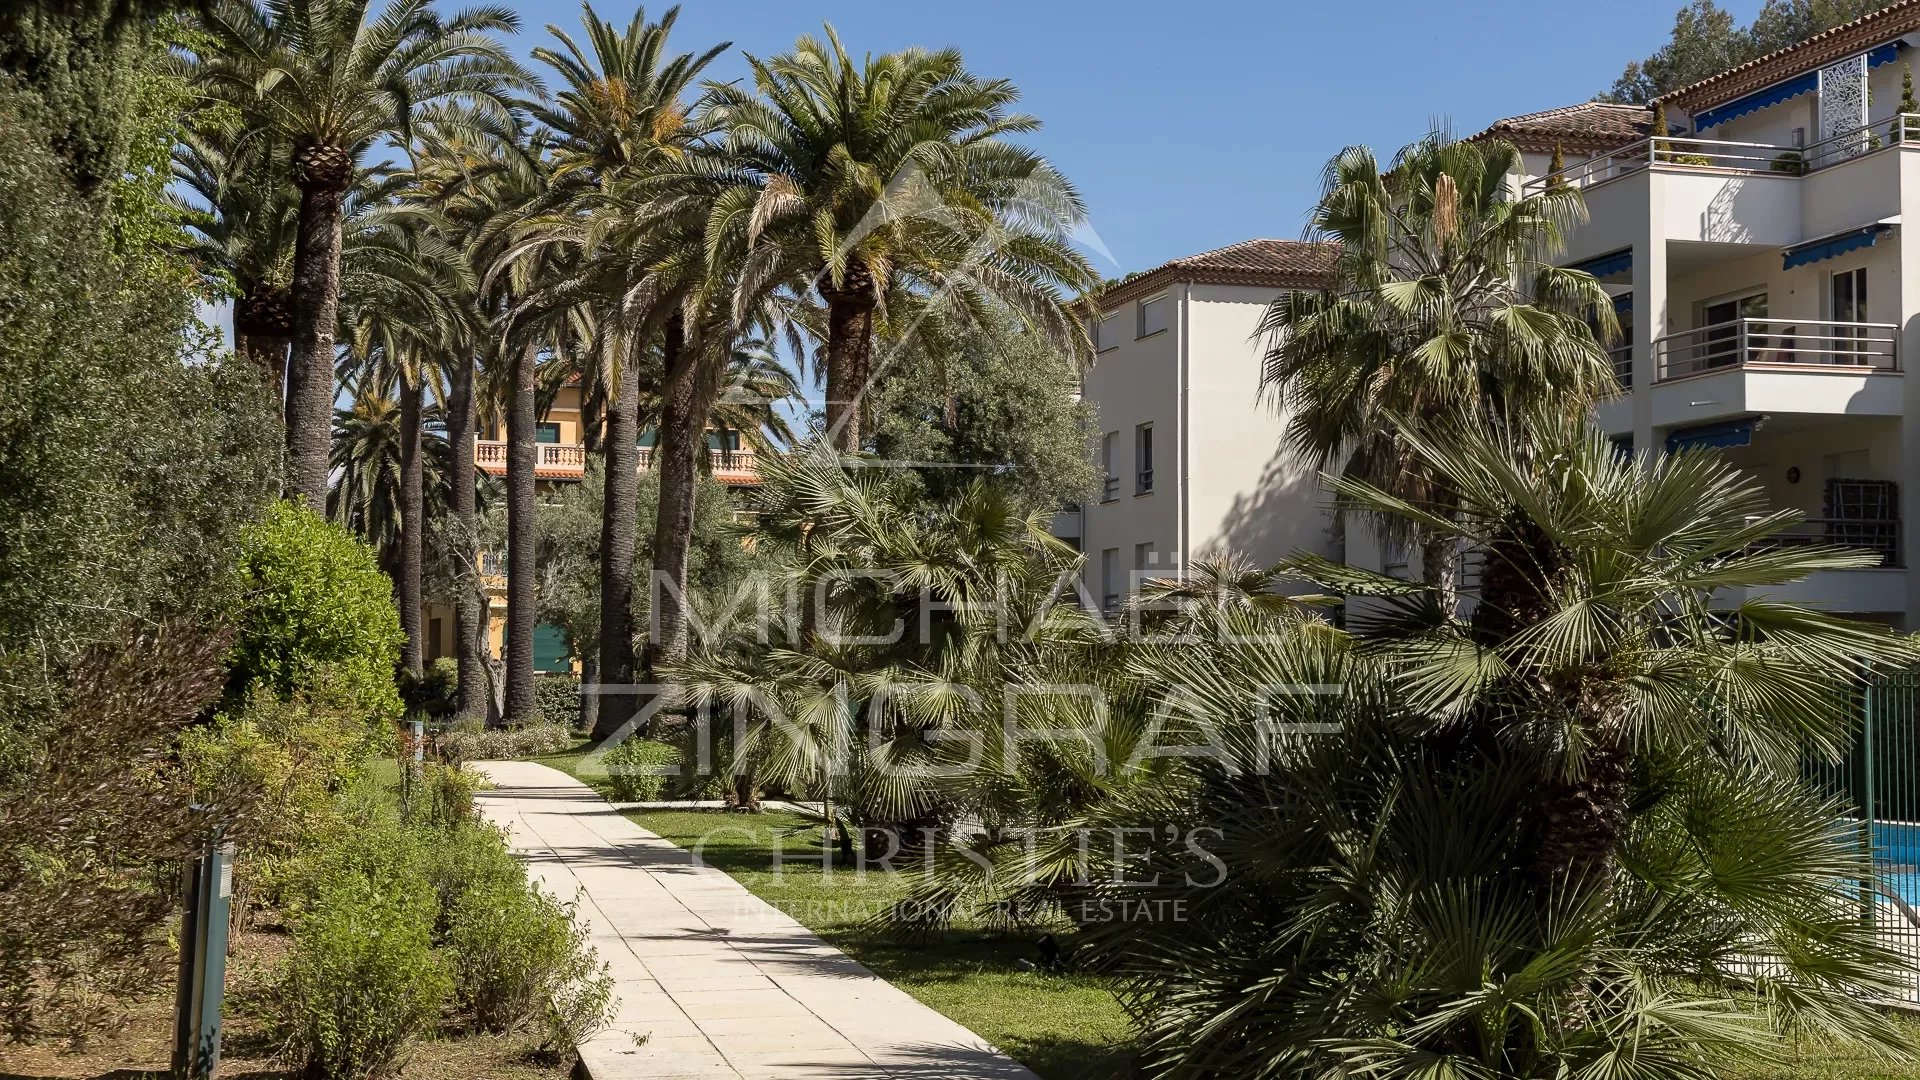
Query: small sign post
pixel 203 960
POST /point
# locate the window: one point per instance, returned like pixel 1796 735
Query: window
pixel 1106 333
pixel 1112 489
pixel 1109 579
pixel 1143 457
pixel 1153 316
pixel 546 433
pixel 1722 320
pixel 1144 562
pixel 1847 303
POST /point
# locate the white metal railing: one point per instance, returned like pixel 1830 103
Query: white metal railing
pixel 1622 357
pixel 1723 155
pixel 1878 535
pixel 1810 342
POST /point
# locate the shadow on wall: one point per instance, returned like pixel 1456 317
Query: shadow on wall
pixel 1286 511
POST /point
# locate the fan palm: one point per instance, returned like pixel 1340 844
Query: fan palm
pixel 1443 305
pixel 913 638
pixel 327 80
pixel 1623 612
pixel 1335 887
pixel 861 181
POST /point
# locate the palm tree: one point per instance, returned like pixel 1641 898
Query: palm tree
pixel 400 322
pixel 242 225
pixel 324 79
pixel 846 710
pixel 477 187
pixel 754 386
pixel 1443 304
pixel 621 111
pixel 1596 639
pixel 892 177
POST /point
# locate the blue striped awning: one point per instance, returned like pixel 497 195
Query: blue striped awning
pixel 1828 247
pixel 1781 91
pixel 1623 303
pixel 1607 265
pixel 1723 434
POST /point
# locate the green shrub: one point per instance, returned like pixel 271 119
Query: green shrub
pixel 638 769
pixel 434 693
pixel 506 744
pixel 1789 162
pixel 443 797
pixel 558 698
pixel 363 980
pixel 513 950
pixel 471 857
pixel 317 608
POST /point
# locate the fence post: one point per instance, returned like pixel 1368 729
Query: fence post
pixel 1870 702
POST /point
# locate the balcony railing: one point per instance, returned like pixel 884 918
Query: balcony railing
pixel 1878 536
pixel 729 466
pixel 1622 357
pixel 552 460
pixel 568 461
pixel 1727 156
pixel 1796 342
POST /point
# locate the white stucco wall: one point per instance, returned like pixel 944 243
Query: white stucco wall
pixel 1246 490
pixel 1133 383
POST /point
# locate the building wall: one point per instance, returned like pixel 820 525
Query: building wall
pixel 1135 382
pixel 1246 490
pixel 1850 448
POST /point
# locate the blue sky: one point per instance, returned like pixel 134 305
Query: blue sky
pixel 1188 126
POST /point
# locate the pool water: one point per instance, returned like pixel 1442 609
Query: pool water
pixel 1896 856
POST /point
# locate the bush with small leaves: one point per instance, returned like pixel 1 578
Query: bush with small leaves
pixel 363 981
pixel 506 744
pixel 558 698
pixel 638 770
pixel 513 951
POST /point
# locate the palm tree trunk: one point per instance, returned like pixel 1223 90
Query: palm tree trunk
pixel 1582 809
pixel 849 355
pixel 692 384
pixel 413 527
pixel 589 718
pixel 523 599
pixel 620 513
pixel 469 629
pixel 316 304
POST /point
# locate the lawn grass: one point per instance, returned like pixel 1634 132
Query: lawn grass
pixel 1064 1027
pixel 1811 1058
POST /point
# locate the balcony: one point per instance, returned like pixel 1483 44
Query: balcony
pixel 568 461
pixel 1725 157
pixel 1881 537
pixel 554 461
pixel 741 467
pixel 1798 345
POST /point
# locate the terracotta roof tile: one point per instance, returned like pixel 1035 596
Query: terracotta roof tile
pixel 1282 264
pixel 1847 39
pixel 1588 127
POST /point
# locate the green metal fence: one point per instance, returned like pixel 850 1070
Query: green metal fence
pixel 1881 779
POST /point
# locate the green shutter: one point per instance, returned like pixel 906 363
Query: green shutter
pixel 550 650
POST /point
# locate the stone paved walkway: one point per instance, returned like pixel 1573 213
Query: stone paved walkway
pixel 714 980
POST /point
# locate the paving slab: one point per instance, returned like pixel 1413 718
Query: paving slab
pixel 713 982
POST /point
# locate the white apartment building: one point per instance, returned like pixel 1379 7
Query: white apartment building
pixel 1761 272
pixel 1764 278
pixel 1193 462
